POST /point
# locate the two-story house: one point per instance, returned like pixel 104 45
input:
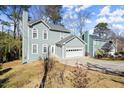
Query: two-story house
pixel 41 38
pixel 94 43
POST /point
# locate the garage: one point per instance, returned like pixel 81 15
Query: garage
pixel 74 52
pixel 71 46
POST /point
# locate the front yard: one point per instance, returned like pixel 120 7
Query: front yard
pixel 30 75
pixel 21 75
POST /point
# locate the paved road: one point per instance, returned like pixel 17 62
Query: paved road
pixel 116 65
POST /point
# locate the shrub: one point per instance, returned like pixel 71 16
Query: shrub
pixel 9 47
pixel 120 52
pixel 0 66
pixel 100 53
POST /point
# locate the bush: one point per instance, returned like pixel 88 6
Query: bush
pixel 119 53
pixel 0 66
pixel 9 47
pixel 100 53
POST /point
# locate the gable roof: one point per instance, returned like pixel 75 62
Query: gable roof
pixel 67 39
pixel 52 27
pixel 108 46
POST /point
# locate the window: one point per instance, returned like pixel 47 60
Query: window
pixel 34 48
pixel 34 33
pixel 45 48
pixel 45 35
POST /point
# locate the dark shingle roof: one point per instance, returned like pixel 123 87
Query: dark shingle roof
pixel 58 27
pixel 107 46
pixel 68 38
pixel 50 26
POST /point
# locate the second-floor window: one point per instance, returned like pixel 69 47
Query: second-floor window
pixel 45 34
pixel 34 33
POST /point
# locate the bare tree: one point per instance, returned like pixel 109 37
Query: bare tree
pixel 14 13
pixel 83 17
pixel 49 13
pixel 38 12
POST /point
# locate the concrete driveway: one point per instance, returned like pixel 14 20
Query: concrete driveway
pixel 116 65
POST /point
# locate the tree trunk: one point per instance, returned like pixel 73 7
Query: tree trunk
pixel 2 28
pixel 14 34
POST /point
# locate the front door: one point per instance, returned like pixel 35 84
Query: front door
pixel 52 49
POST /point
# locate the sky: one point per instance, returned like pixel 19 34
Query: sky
pixel 112 14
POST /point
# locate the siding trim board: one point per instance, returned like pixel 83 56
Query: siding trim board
pixel 63 51
pixel 28 46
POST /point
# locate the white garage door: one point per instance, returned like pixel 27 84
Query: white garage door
pixel 74 52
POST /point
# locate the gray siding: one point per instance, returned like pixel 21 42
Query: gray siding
pixel 58 51
pixel 53 37
pixel 74 43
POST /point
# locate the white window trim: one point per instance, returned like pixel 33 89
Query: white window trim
pixel 43 34
pixel 32 48
pixel 33 32
pixel 43 48
pixel 54 48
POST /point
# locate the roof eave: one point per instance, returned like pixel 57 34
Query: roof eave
pixel 81 40
pixel 31 24
pixel 66 31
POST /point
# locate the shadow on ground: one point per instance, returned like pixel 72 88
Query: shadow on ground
pixel 5 71
pixel 2 81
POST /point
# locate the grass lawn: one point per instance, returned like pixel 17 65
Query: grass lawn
pixel 113 59
pixel 30 75
pixel 95 79
pixel 21 75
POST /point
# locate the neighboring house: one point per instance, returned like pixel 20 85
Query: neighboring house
pixel 95 42
pixel 41 38
pixel 109 47
pixel 120 44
